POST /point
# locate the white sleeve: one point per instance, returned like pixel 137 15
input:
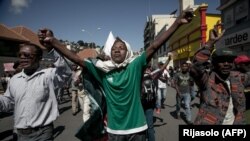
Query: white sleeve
pixel 62 71
pixel 165 73
pixel 6 101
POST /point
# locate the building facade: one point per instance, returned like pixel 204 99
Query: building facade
pixel 189 37
pixel 155 25
pixel 236 22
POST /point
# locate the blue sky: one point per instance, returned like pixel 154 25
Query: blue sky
pixel 67 18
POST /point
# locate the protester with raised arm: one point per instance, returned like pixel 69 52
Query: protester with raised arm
pixel 120 78
pixel 222 98
pixel 31 93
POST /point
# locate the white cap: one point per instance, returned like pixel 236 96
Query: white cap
pixel 189 62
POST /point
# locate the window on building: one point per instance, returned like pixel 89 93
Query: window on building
pixel 242 20
pixel 241 11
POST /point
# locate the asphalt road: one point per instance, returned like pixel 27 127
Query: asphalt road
pixel 166 125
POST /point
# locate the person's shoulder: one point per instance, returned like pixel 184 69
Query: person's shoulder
pixel 166 71
pixel 178 73
pixel 15 77
pixel 142 54
pixel 235 73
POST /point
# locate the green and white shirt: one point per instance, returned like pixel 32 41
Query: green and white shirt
pixel 122 87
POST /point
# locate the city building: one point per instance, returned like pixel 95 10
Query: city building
pixel 187 39
pixel 236 22
pixel 190 37
pixel 10 38
pixel 9 42
pixel 155 25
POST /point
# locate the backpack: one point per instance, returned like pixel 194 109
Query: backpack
pixel 148 95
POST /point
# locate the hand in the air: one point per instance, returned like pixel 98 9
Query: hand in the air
pixel 46 38
pixel 186 16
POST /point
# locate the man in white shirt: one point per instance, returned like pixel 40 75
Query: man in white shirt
pixel 161 88
pixel 31 94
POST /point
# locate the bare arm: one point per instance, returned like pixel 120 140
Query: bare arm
pixel 214 36
pixel 49 41
pixel 157 73
pixel 198 70
pixel 185 17
pixel 166 63
pixel 176 87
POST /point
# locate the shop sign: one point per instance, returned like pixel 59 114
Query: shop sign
pixel 234 39
pixel 183 50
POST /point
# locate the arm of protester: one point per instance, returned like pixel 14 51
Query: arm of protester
pixel 202 60
pixel 184 18
pixel 191 82
pixel 163 79
pixel 47 39
pixel 176 85
pixel 157 73
pixel 163 75
pixel 203 54
pixel 198 70
pixel 166 63
pixel 103 57
pixel 6 101
pixel 214 36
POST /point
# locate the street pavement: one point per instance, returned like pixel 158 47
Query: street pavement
pixel 166 125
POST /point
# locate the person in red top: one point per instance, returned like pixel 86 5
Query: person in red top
pixel 242 64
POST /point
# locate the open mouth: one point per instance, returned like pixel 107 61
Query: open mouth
pixel 226 69
pixel 24 62
pixel 117 55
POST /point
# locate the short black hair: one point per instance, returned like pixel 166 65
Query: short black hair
pixel 183 63
pixel 160 63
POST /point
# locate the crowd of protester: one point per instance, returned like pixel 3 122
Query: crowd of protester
pixel 129 84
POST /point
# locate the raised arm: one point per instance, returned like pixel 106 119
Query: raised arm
pixel 214 36
pixel 47 39
pixel 157 73
pixel 166 63
pixel 201 61
pixel 185 17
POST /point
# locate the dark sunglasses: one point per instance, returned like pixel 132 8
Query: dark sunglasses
pixel 26 55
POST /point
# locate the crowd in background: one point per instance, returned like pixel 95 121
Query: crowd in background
pixel 221 76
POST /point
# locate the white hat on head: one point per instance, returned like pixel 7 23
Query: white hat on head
pixel 108 65
pixel 109 43
pixel 189 62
